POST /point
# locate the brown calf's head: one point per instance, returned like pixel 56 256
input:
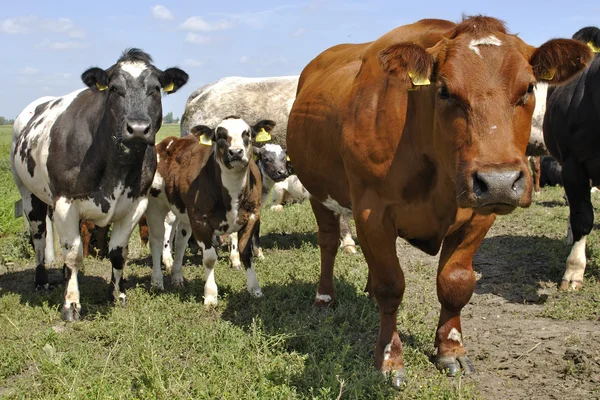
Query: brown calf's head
pixel 232 140
pixel 484 80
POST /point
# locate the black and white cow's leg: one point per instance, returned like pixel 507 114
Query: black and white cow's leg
pixel 119 245
pixel 182 235
pixel 234 253
pixel 66 216
pixel 581 221
pixel 50 256
pixel 346 242
pixel 36 211
pixel 245 242
pixel 155 216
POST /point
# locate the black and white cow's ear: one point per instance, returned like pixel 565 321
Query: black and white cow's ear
pixel 172 79
pixel 262 129
pixel 204 134
pixel 95 78
pixel 257 151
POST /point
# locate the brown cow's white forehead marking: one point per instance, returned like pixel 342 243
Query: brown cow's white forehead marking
pixel 134 69
pixel 486 41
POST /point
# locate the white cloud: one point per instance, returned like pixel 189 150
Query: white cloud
pixel 198 24
pixel 64 45
pixel 32 24
pixel 300 32
pixel 194 38
pixel 28 71
pixel 161 12
pixel 190 62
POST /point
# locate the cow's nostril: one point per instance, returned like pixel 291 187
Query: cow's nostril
pixel 479 185
pixel 517 183
pixel 130 129
pixel 147 130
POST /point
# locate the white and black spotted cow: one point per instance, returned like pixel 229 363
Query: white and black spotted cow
pixel 90 154
pixel 212 186
pixel 572 135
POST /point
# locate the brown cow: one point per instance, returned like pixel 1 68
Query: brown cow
pixel 430 163
pixel 213 186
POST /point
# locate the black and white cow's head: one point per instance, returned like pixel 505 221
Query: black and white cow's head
pixel 232 139
pixel 272 161
pixel 132 91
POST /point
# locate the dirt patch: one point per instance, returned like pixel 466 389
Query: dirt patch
pixel 518 354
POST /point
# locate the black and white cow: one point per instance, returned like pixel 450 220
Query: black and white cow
pixel 572 135
pixel 212 186
pixel 90 154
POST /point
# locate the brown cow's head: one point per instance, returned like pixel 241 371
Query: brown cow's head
pixel 484 79
pixel 232 140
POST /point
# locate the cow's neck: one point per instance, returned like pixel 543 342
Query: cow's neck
pixel 233 186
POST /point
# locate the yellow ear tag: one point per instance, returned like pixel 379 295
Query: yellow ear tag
pixel 169 87
pixel 288 158
pixel 205 140
pixel 593 47
pixel 418 80
pixel 548 75
pixel 101 87
pixel 263 136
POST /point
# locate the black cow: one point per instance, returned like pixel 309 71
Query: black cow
pixel 572 135
pixel 100 141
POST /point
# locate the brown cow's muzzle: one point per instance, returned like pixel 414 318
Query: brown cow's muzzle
pixel 494 190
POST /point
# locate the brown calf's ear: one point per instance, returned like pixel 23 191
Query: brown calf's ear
pixel 204 134
pixel 557 60
pixel 408 60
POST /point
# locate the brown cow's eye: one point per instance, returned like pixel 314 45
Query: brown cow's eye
pixel 530 88
pixel 443 93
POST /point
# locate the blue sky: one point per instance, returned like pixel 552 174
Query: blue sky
pixel 46 45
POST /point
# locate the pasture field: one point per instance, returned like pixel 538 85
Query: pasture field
pixel 526 339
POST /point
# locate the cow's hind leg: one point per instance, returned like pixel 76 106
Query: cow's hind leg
pixel 347 243
pixel 182 236
pixel 119 245
pixel 534 162
pixel 328 236
pixel 36 211
pixel 66 216
pixel 581 220
pixel 155 217
pixel 455 285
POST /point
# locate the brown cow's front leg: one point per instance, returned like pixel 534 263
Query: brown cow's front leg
pixel 455 285
pixel 377 236
pixel 245 245
pixel 328 236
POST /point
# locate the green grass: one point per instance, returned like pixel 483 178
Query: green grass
pixel 167 345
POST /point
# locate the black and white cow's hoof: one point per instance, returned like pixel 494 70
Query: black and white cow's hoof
pixel 398 378
pixel 41 278
pixel 178 282
pixel 70 313
pixel 451 365
pixel 573 285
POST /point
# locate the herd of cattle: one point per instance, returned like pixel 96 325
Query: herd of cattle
pixel 421 134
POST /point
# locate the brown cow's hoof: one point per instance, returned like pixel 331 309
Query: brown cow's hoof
pixel 398 379
pixel 350 249
pixel 324 301
pixel 70 314
pixel 571 285
pixel 451 365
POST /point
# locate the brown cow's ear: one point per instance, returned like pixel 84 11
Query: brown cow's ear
pixel 558 60
pixel 408 60
pixel 204 134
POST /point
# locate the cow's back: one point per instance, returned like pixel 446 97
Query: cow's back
pixel 252 99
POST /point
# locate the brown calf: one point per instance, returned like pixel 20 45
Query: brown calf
pixel 432 163
pixel 213 186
